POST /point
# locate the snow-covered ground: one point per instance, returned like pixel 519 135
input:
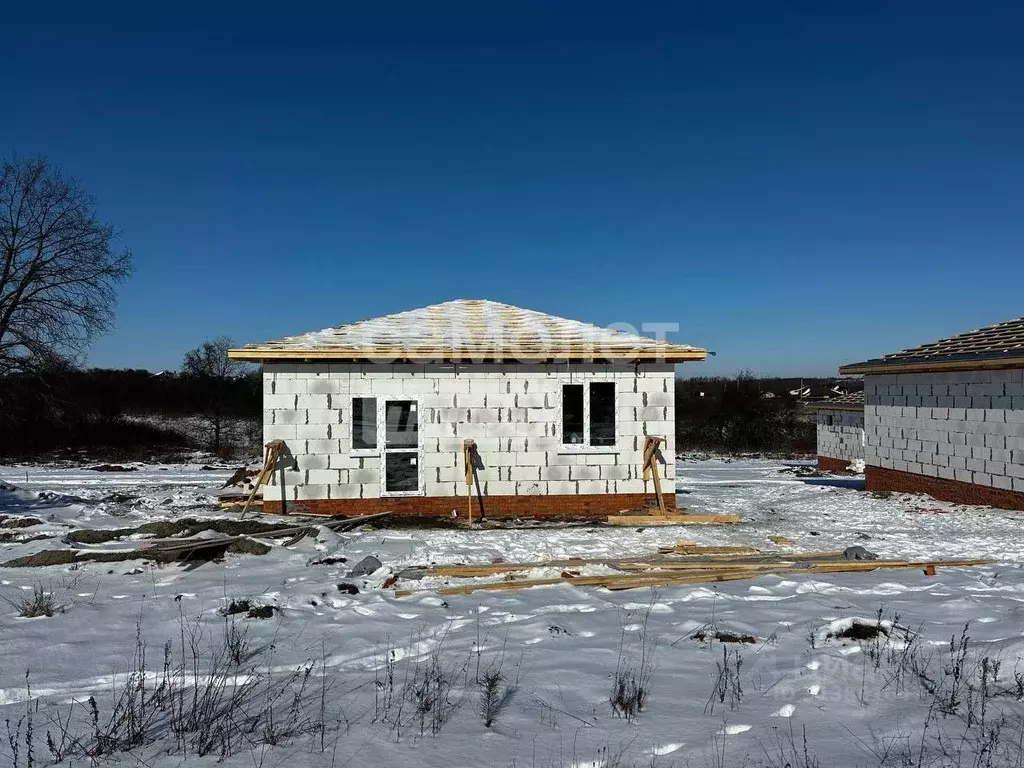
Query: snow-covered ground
pixel 395 680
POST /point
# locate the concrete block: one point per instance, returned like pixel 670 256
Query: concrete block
pixel 598 459
pixel 652 414
pixel 963 476
pixel 554 472
pixel 364 476
pixel 982 478
pixel 531 488
pixel 288 386
pixel 323 387
pixel 482 415
pixel 313 462
pixel 440 489
pixel 313 431
pixel 342 461
pixel 284 432
pixel 343 491
pixel 369 490
pixel 290 417
pixel 311 492
pixel 503 429
pixel 524 473
pixel 323 416
pixel 535 400
pixel 584 473
pixel 530 459
pixel 1006 483
pixel 561 487
pixel 438 459
pixel 323 446
pixel 281 402
pixel 500 488
pixel 618 472
pixel 320 402
pixel 947 473
pixel 416 386
pixel 530 429
pixel 592 486
pixel 323 477
pixel 272 492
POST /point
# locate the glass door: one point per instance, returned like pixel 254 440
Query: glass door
pixel 400 451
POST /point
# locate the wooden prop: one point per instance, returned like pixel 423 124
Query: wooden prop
pixel 650 467
pixel 468 448
pixel 272 454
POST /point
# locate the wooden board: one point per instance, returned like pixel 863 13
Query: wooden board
pixel 646 520
pixel 683 573
pixel 694 550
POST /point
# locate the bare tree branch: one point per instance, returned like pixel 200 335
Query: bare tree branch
pixel 210 365
pixel 59 270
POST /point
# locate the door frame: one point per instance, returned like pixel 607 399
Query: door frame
pixel 383 450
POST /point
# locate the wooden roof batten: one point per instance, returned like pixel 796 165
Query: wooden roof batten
pixel 993 347
pixel 469 331
pixel 852 401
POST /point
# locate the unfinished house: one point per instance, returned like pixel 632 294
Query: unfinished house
pixel 947 418
pixel 468 407
pixel 841 432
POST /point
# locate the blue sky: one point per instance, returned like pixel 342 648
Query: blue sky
pixel 798 185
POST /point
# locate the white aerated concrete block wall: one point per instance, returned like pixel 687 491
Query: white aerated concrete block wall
pixel 966 426
pixel 844 437
pixel 512 411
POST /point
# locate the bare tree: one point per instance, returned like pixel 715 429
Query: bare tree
pixel 59 269
pixel 210 365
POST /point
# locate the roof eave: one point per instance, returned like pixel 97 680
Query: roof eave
pixel 923 366
pixel 256 355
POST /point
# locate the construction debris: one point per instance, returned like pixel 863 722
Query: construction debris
pixel 682 563
pixel 670 519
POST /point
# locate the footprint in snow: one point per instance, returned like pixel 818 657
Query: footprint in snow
pixel 786 710
pixel 814 690
pixel 732 730
pixel 987 619
pixel 812 665
pixel 408 616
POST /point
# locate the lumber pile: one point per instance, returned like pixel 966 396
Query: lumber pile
pixel 672 519
pixel 679 564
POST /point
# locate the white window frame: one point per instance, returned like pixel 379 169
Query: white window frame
pixel 383 450
pixel 364 452
pixel 585 446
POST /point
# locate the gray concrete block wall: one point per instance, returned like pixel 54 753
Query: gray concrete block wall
pixel 512 411
pixel 965 425
pixel 844 437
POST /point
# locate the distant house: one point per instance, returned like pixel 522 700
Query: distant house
pixel 840 431
pixel 375 415
pixel 947 418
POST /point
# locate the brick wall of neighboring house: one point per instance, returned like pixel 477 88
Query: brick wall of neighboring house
pixel 512 411
pixel 963 427
pixel 840 437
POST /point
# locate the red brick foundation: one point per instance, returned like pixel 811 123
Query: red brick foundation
pixel 832 465
pixel 879 480
pixel 552 506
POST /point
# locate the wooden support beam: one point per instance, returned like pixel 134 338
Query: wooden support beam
pixel 650 467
